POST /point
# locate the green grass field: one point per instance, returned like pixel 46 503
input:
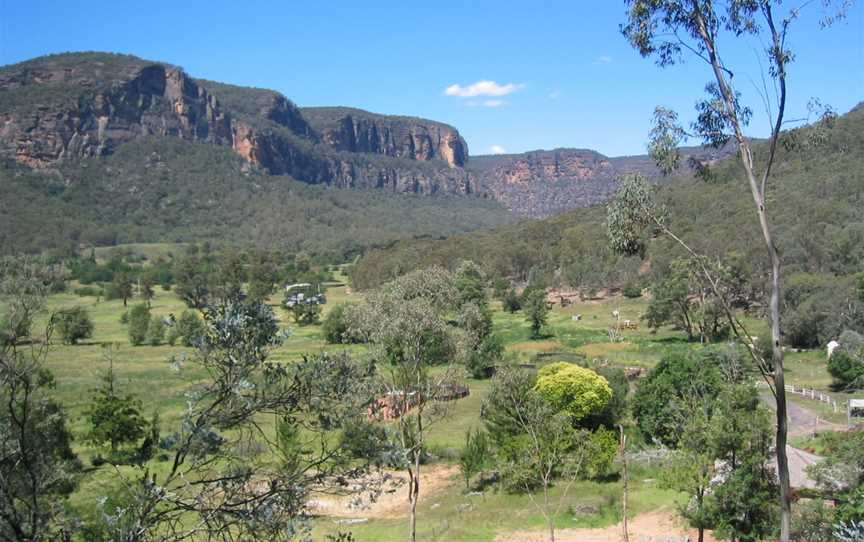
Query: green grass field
pixel 449 514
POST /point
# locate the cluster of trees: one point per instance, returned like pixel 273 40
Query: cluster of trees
pixel 217 443
pixel 546 428
pixel 707 412
pixel 841 475
pixel 425 329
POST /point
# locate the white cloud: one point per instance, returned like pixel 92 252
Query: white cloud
pixel 555 94
pixel 497 149
pixel 482 88
pixel 494 103
pixel 603 59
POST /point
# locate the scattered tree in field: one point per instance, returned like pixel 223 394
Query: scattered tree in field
pixel 147 293
pixel 188 328
pixel 616 409
pixel 475 455
pixel 155 331
pixel 667 30
pixel 262 278
pixel 335 327
pixel 470 284
pixel 306 313
pixel 405 323
pixel 122 286
pixel 138 324
pixel 681 299
pixel 151 440
pixel 745 502
pixel 574 390
pixel 73 325
pixel 536 312
pixel 114 419
pixel 511 301
pixel 722 464
pixel 37 466
pixel 192 281
pixel 228 278
pixel 690 471
pixel 481 348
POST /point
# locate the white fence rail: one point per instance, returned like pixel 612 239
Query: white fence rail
pixel 816 395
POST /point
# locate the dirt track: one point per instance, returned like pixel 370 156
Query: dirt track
pixel 658 526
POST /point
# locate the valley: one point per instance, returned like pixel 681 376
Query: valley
pixel 369 272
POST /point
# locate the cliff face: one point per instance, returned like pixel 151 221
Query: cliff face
pixel 62 107
pixel 353 130
pixel 539 184
pixel 543 183
pixel 157 100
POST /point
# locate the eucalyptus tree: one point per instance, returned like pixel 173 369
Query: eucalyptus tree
pixel 669 30
pixel 405 322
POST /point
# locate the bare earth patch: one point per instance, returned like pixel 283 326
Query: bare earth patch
pixel 657 526
pixel 393 503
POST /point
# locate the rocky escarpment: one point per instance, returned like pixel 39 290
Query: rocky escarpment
pixel 91 117
pixel 354 130
pixel 63 107
pixel 542 183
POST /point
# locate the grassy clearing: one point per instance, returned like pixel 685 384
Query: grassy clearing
pixel 450 514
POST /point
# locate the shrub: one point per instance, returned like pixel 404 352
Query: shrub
pixel 188 328
pixel 364 439
pixel 511 301
pixel 155 331
pixel 139 322
pixel 475 455
pixel 632 291
pixel 488 353
pixel 537 311
pixel 846 363
pixel 575 390
pixel 306 314
pixel 603 448
pixel 335 327
pixel 74 324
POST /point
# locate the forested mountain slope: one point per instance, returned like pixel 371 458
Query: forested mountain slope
pixel 166 189
pixel 103 148
pixel 817 204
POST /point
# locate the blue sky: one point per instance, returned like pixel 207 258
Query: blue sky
pixel 564 76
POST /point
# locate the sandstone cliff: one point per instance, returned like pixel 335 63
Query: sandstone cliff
pixel 51 111
pixel 543 183
pixel 64 107
pixel 354 130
